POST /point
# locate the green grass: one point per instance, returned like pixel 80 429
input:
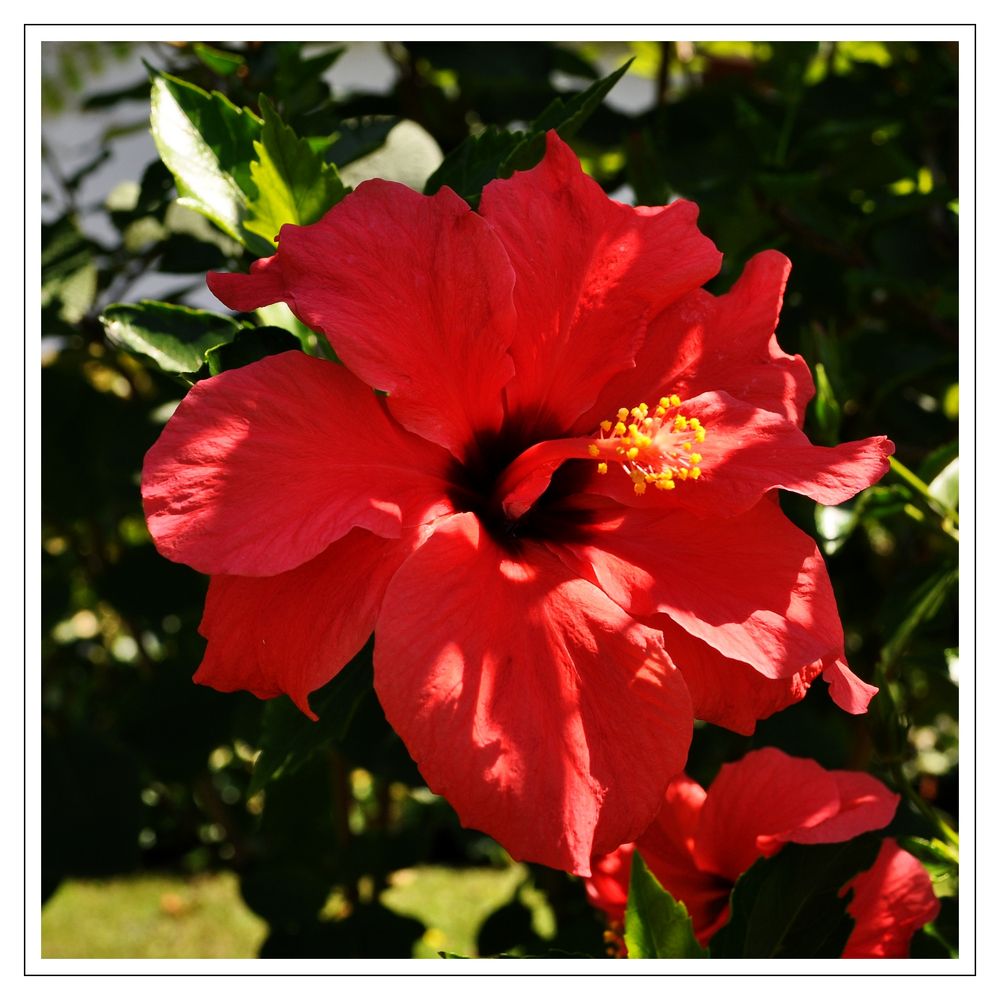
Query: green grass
pixel 170 916
pixel 151 916
pixel 452 904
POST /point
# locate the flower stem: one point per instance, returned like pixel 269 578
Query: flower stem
pixel 942 509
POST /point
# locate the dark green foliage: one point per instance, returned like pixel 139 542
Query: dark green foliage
pixel 792 905
pixel 495 153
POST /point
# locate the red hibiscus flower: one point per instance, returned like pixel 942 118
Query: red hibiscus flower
pixel 701 842
pixel 560 519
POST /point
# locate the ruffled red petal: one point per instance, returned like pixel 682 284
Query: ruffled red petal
pixel 555 692
pixel 414 294
pixel 291 633
pixel 753 806
pixel 725 343
pixel 591 273
pixel 847 690
pixel 753 587
pixel 728 692
pixel 865 804
pixel 261 468
pixel 891 902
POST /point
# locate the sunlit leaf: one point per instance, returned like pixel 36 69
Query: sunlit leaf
pixel 944 486
pixel 175 338
pixel 207 143
pixel 218 61
pixel 656 924
pixel 293 182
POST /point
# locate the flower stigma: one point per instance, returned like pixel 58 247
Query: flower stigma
pixel 654 446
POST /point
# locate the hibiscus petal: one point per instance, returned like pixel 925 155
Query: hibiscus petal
pixel 668 847
pixel 847 690
pixel 865 804
pixel 414 294
pixel 291 633
pixel 607 886
pixel 725 343
pixel 590 272
pixel 260 468
pixel 753 587
pixel 571 715
pixel 892 901
pixel 728 692
pixel 753 803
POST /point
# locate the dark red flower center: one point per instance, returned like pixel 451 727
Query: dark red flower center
pixel 521 482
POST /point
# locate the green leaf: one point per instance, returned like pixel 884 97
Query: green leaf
pixel 566 117
pixel 790 905
pixel 218 61
pixel 250 345
pixel 944 486
pixel 293 183
pixel 288 738
pixel 176 338
pixel 494 153
pixel 826 407
pixel 207 143
pixel 924 605
pixel 476 161
pixel 69 275
pixel 656 924
pixel 357 137
pixel 278 314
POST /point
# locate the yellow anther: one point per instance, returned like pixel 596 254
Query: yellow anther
pixel 653 448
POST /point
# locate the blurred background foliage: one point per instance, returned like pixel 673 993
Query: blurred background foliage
pixel 179 821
